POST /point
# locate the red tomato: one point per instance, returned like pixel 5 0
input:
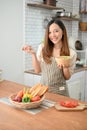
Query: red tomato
pixel 69 104
pixel 36 98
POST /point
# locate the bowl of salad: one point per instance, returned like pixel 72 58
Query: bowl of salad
pixel 64 60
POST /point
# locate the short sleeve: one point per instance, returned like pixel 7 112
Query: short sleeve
pixel 39 51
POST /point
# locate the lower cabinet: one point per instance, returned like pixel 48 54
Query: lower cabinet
pixel 77 85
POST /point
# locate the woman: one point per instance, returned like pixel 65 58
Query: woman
pixel 55 44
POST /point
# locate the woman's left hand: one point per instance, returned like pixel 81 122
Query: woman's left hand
pixel 61 66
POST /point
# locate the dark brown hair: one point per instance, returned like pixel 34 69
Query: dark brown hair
pixel 48 45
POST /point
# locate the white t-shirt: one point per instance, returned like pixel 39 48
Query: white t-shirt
pixel 73 55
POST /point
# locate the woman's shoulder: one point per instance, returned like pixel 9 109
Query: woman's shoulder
pixel 73 52
pixel 39 51
pixel 40 46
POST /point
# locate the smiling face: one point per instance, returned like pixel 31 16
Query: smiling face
pixel 55 34
pixel 55 40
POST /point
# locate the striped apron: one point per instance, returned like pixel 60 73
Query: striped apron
pixel 53 77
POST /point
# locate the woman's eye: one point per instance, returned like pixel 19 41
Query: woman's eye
pixel 55 30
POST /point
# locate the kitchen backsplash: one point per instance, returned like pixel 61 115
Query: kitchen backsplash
pixel 35 28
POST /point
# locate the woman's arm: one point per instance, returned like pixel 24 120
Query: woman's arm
pixel 35 62
pixel 66 73
pixel 68 70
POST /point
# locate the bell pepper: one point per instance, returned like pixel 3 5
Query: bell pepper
pixel 26 98
pixel 29 95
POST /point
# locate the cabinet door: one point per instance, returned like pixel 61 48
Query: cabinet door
pixel 76 85
pixel 74 89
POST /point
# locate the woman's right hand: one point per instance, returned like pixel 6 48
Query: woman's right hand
pixel 28 49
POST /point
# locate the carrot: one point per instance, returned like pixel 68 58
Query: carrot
pixel 20 93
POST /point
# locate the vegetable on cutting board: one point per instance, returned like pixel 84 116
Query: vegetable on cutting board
pixel 69 104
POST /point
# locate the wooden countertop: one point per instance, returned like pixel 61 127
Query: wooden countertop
pixel 49 119
pixel 78 69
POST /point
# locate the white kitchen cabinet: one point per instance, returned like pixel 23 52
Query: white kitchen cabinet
pixel 76 85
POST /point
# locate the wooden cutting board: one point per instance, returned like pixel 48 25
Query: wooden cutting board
pixel 61 108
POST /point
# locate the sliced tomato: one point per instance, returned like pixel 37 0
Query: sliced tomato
pixel 69 104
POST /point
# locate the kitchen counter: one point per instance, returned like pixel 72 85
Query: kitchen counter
pixel 77 69
pixel 12 118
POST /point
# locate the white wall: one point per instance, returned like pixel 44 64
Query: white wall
pixel 11 40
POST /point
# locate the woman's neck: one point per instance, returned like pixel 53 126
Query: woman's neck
pixel 56 50
pixel 58 46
